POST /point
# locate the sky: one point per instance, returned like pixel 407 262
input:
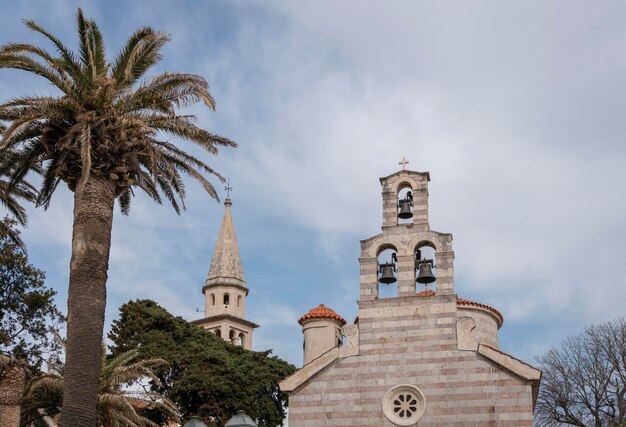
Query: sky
pixel 515 108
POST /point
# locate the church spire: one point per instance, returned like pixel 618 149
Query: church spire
pixel 226 265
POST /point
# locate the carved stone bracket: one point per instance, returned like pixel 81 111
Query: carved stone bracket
pixel 465 339
pixel 351 344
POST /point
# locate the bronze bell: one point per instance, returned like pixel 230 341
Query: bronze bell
pixel 405 207
pixel 386 273
pixel 387 269
pixel 425 275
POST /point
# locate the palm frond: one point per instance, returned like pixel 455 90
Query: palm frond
pixel 26 63
pixel 117 405
pixel 70 64
pixel 109 120
pixel 120 70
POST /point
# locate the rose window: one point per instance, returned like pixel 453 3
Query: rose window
pixel 404 405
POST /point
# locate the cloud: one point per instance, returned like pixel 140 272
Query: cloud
pixel 514 109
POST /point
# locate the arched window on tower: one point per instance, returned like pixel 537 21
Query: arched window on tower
pixel 212 299
pixel 239 300
pixel 425 271
pixel 387 273
pixel 405 204
pixel 218 332
pixel 226 299
pixel 240 340
pixel 232 337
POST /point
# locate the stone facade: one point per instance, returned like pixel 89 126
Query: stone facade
pixel 12 379
pixel 225 289
pixel 427 358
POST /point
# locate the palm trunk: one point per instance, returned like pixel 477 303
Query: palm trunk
pixel 91 243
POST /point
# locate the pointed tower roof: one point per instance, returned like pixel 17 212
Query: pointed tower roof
pixel 226 268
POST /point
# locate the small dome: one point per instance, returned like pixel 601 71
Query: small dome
pixel 322 312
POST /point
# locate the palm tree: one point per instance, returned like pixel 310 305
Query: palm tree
pixel 10 195
pixel 104 135
pixel 118 405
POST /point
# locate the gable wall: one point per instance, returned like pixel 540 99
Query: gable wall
pixel 412 340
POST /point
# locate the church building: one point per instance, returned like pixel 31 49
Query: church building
pixel 225 289
pixel 421 356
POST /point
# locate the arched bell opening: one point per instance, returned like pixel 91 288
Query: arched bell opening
pixel 226 298
pixel 218 332
pixel 240 340
pixel 212 299
pixel 232 337
pixel 387 275
pixel 239 300
pixel 405 204
pixel 425 266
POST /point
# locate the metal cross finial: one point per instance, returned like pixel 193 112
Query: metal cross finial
pixel 403 162
pixel 228 189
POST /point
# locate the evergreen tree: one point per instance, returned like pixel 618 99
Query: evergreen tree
pixel 206 375
pixel 28 315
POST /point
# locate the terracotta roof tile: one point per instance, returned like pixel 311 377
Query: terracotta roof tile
pixel 322 312
pixel 463 301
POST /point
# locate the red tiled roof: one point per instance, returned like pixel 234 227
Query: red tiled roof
pixel 322 312
pixel 463 301
pixel 466 302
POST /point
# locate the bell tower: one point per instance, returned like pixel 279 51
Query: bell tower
pixel 416 353
pixel 406 234
pixel 225 289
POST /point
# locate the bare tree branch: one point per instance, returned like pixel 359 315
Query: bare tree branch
pixel 584 380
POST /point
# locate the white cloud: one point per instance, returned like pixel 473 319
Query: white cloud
pixel 514 109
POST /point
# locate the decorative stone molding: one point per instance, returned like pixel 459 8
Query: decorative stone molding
pixel 404 405
pixel 465 339
pixel 351 346
pixel 305 373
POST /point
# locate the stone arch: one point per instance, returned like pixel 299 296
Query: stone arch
pixel 226 298
pixel 212 299
pixel 383 242
pixel 384 246
pixel 427 238
pixel 403 190
pixel 442 245
pixel 240 339
pixel 405 183
pixel 425 243
pixel 232 336
pixel 239 301
pixel 218 332
pixel 402 182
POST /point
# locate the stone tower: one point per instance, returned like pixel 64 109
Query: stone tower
pixel 225 289
pixel 421 357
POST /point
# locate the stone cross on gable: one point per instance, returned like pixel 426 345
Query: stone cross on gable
pixel 403 163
